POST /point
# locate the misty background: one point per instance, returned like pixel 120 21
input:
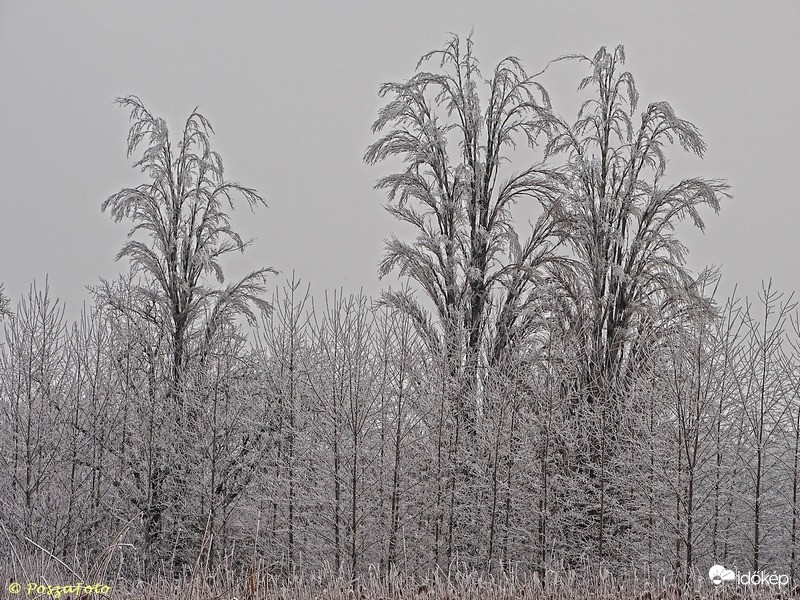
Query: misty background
pixel 291 90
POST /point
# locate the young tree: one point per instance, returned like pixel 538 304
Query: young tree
pixel 762 392
pixel 35 416
pixel 94 414
pixel 792 372
pixel 283 349
pixel 400 354
pixel 347 386
pixel 693 389
pixel 143 446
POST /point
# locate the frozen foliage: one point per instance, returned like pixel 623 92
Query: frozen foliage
pixel 567 404
pixel 4 303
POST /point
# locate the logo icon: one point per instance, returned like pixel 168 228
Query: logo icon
pixel 718 574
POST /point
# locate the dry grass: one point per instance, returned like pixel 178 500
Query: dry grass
pixel 256 584
pixel 38 566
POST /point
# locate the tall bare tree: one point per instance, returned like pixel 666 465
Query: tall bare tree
pixel 453 194
pixel 181 212
pixel 628 273
pixel 474 267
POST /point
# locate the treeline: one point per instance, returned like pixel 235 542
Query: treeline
pixel 575 398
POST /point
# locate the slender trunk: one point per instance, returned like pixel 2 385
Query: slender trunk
pixel 757 510
pixel 354 507
pixel 508 505
pixel 439 522
pixel 454 464
pixel 652 491
pixel 689 523
pixel 678 515
pixel 717 482
pixel 337 491
pixel 153 502
pixel 73 484
pixel 394 517
pixel 212 500
pixel 543 508
pixel 291 448
pixel 602 515
pixel 793 535
pixel 495 483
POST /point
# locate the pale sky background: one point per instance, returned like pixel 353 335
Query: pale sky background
pixel 291 90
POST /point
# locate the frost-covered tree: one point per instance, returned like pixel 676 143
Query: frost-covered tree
pixel 456 133
pixel 283 361
pixel 693 387
pixel 628 280
pixel 35 415
pixel 181 231
pixel 468 257
pixel 792 372
pixel 182 212
pixel 763 391
pixel 345 386
pixel 623 214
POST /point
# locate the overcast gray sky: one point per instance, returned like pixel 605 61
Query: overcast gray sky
pixel 291 90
